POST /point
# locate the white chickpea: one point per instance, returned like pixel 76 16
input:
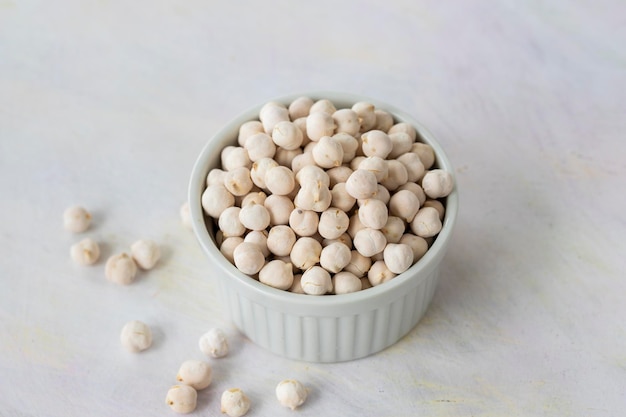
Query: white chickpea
pixel 393 229
pixel 196 374
pixel 254 216
pixel 215 199
pixel 378 257
pixel 323 105
pixel 280 240
pixel 260 146
pixel 316 281
pixel 379 273
pixel 136 336
pixel 234 157
pixel 338 175
pixel 300 107
pixel 248 258
pixel 318 125
pixel 365 283
pixel 277 274
pixel 369 241
pixel 415 189
pixel 362 184
pixel 248 129
pixel 382 194
pixel 341 199
pixel 437 183
pixel 401 143
pixel 185 215
pixel 418 245
pixel 85 252
pixel 349 144
pixel 335 257
pixel 228 247
pixel 305 252
pixel 234 402
pixel 291 393
pixel 376 143
pixel 146 253
pixel 346 282
pixel 404 204
pixel 344 238
pixel 384 120
pixel 182 398
pixel 313 196
pixel 397 175
pixel 229 222
pixel 355 225
pixel 398 257
pixel 359 264
pixel 426 222
pixel 285 157
pixel 296 287
pixel 312 174
pixel 303 222
pixel 300 123
pixel 259 238
pixel 376 165
pixel 280 180
pixel 238 182
pixel 425 152
pixel 438 205
pixel 215 176
pixel 328 153
pixel 414 166
pixel 214 343
pixel 259 169
pixel 367 115
pixel 356 161
pixel 271 113
pixel 279 208
pixel 300 161
pixel 404 127
pixel 121 269
pixel 333 223
pixel 287 135
pixel 76 219
pixel 373 213
pixel 347 121
pixel 256 197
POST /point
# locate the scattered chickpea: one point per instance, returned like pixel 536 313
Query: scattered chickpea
pixel 136 336
pixel 182 398
pixel 234 402
pixel 121 269
pixel 185 215
pixel 214 343
pixel 291 393
pixel 196 374
pixel 76 219
pixel 85 252
pixel 146 253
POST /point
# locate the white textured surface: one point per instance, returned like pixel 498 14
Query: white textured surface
pixel 107 104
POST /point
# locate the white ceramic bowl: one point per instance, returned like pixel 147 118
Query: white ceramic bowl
pixel 329 328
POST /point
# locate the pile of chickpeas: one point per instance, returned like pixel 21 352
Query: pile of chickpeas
pixel 319 200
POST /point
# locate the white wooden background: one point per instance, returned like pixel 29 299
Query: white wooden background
pixel 107 103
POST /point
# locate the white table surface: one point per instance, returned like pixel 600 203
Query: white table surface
pixel 106 104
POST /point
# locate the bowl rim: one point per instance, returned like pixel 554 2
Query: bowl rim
pixel 430 260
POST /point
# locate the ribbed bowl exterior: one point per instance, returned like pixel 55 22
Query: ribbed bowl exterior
pixel 330 328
